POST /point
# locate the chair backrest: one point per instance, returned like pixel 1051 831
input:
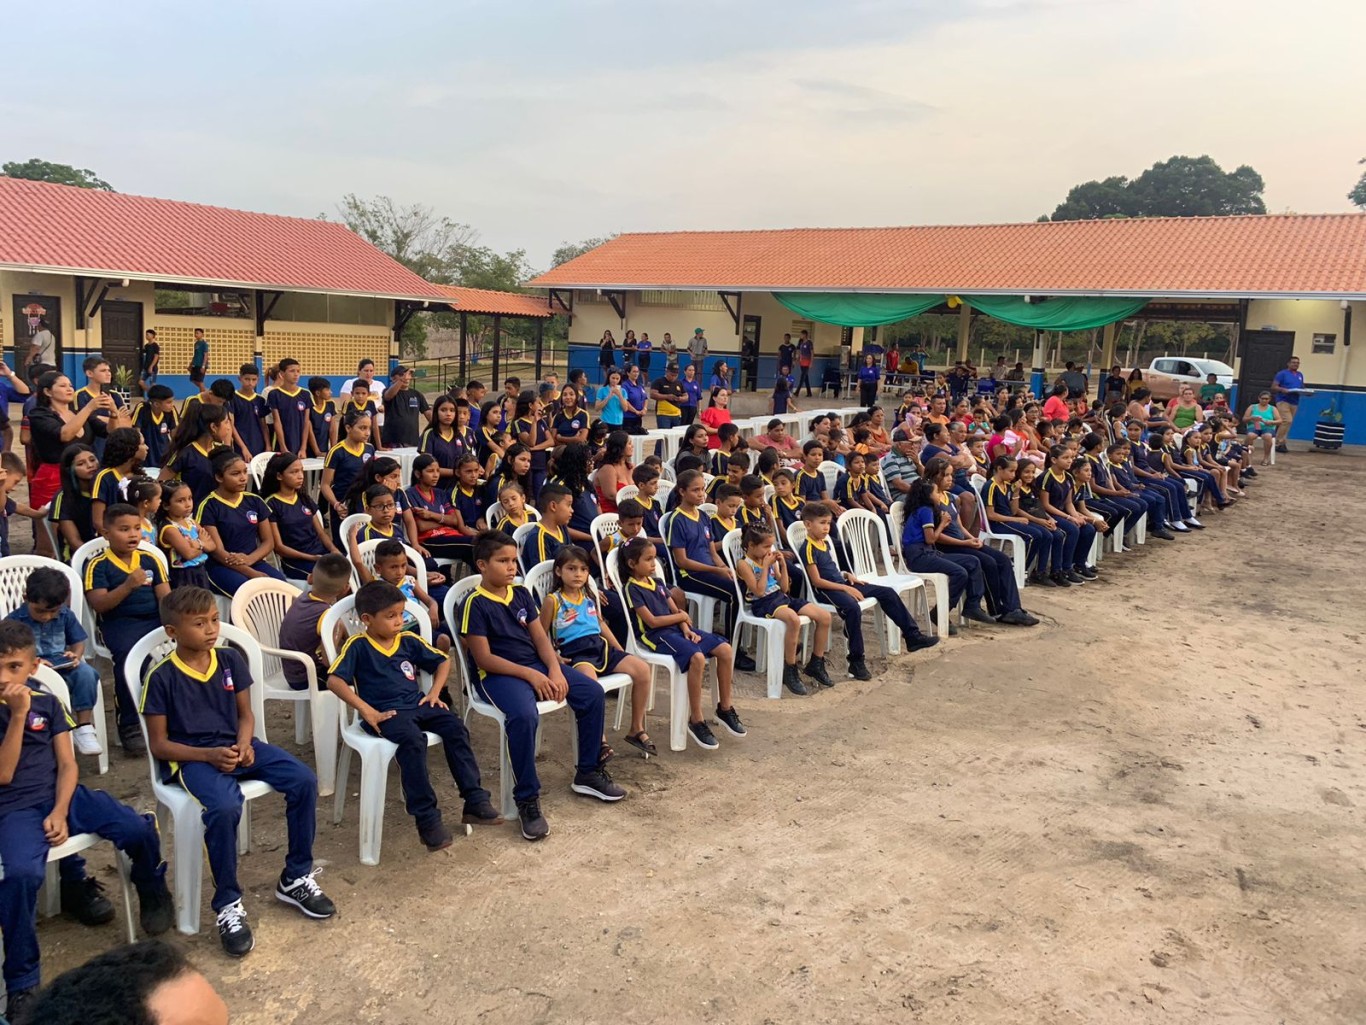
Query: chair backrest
pixel 540 579
pixel 455 598
pixel 616 576
pixel 350 525
pixel 367 558
pixel 708 508
pixel 14 573
pixel 627 492
pixel 259 607
pixel 733 550
pixel 897 515
pixel 51 681
pixel 343 613
pixel 90 549
pixel 865 541
pixel 666 485
pixel 604 525
pixel 666 475
pixel 830 472
pixel 493 513
pixel 257 468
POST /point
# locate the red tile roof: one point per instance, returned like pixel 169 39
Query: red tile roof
pixel 507 304
pixel 1282 255
pixel 59 228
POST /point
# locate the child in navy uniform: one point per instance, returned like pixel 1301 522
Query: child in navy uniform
pixel 524 670
pixel 763 572
pixel 201 728
pixel 41 805
pixel 662 627
pixel 376 674
pixel 556 506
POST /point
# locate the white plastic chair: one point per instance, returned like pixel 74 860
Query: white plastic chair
pixel 367 558
pixel 665 487
pixel 50 898
pixel 349 526
pixel 375 752
pixel 678 684
pixel 1011 544
pixel 707 509
pixel 666 475
pixel 830 472
pixel 455 598
pixel 14 572
pixel 540 579
pixel 705 605
pixel 79 559
pixel 604 525
pixel 187 823
pixel 626 492
pixel 517 537
pixel 870 559
pixel 939 581
pixel 768 655
pixel 796 537
pixel 257 468
pixel 259 608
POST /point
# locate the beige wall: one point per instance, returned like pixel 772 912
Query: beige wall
pixel 1307 317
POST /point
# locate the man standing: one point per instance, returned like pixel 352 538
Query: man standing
pixel 199 359
pixel 805 351
pixel 403 407
pixel 697 349
pixel 786 353
pixel 1075 381
pixel 43 345
pixel 669 395
pixel 150 359
pixel 1286 388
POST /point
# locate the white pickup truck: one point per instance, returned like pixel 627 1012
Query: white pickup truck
pixel 1166 375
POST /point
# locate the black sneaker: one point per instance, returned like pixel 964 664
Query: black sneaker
pixel 482 814
pixel 1282 450
pixel 858 669
pixel 1164 534
pixel 743 663
pixel 306 895
pixel 597 783
pixel 1043 580
pixel 1074 577
pixel 1089 572
pixel 233 931
pixel 15 1001
pixel 84 900
pixel 979 615
pixel 792 679
pixel 534 825
pixel 702 735
pixel 436 837
pixel 131 740
pixel 730 719
pixel 1019 617
pixel 1250 472
pixel 815 668
pixel 918 642
pixel 1060 579
pixel 156 910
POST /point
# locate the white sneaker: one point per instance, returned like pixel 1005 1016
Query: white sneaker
pixel 87 742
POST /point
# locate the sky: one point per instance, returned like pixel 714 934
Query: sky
pixel 556 120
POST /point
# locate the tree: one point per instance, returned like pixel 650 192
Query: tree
pixel 1358 194
pixel 430 246
pixel 1179 187
pixel 570 250
pixel 36 170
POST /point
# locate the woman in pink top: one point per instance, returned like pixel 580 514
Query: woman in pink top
pixel 1056 406
pixel 715 415
pixel 777 437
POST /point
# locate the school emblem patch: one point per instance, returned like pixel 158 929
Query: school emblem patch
pixel 228 685
pixel 251 517
pixel 521 616
pixel 37 721
pixel 408 670
pixel 302 406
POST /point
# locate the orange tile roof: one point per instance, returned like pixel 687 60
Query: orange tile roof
pixel 1279 255
pixel 59 228
pixel 487 301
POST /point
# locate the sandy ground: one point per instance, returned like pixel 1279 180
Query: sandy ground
pixel 1149 809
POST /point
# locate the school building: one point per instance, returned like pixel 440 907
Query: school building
pixel 97 269
pixel 1287 283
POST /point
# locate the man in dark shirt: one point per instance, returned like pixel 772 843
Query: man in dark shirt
pixel 670 396
pixel 1075 381
pixel 403 407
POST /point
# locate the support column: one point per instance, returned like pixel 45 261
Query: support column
pixel 540 344
pixel 464 352
pixel 496 384
pixel 1107 348
pixel 964 331
pixel 1037 377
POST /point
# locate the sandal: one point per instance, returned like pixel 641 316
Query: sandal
pixel 605 754
pixel 641 742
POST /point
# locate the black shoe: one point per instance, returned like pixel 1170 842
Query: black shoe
pixel 481 814
pixel 1073 577
pixel 534 825
pixel 815 668
pixel 1044 580
pixel 1019 617
pixel 1164 534
pixel 131 740
pixel 702 735
pixel 919 642
pixel 743 663
pixel 156 910
pixel 15 1001
pixel 953 629
pixel 306 895
pixel 233 931
pixel 730 719
pixel 1282 450
pixel 1089 572
pixel 597 784
pixel 436 837
pixel 978 615
pixel 1250 472
pixel 858 669
pixel 792 680
pixel 84 900
pixel 1060 579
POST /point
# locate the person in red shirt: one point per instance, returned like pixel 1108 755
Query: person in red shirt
pixel 1055 408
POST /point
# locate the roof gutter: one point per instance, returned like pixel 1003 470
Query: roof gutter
pixel 1086 293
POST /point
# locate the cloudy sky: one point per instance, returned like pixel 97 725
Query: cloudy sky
pixel 538 122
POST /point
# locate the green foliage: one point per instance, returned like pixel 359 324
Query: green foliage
pixel 1179 187
pixel 36 170
pixel 570 250
pixel 1358 194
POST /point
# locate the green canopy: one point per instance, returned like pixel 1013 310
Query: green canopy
pixel 857 309
pixel 1058 314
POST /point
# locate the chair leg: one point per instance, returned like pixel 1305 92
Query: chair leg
pixel 342 781
pixel 323 725
pixel 125 868
pixel 50 903
pixel 101 729
pixel 621 708
pixel 678 711
pixel 505 775
pixel 189 869
pixel 374 781
pixel 301 724
pixel 244 830
pixel 772 644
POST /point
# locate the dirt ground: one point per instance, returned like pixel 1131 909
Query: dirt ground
pixel 1148 809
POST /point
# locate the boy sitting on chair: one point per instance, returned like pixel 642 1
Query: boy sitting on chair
pixel 41 806
pixel 376 674
pixel 201 727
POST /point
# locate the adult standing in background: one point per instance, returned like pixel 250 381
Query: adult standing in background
pixel 636 400
pixel 670 349
pixel 787 354
pixel 697 350
pixel 1114 387
pixel 715 415
pixel 42 347
pixel 669 396
pixel 720 378
pixel 404 407
pixel 806 350
pixel 12 389
pixel 607 354
pixel 149 359
pixel 628 350
pixel 693 387
pixel 611 404
pixel 365 371
pixel 643 349
pixel 54 424
pixel 1075 380
pixel 1287 387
